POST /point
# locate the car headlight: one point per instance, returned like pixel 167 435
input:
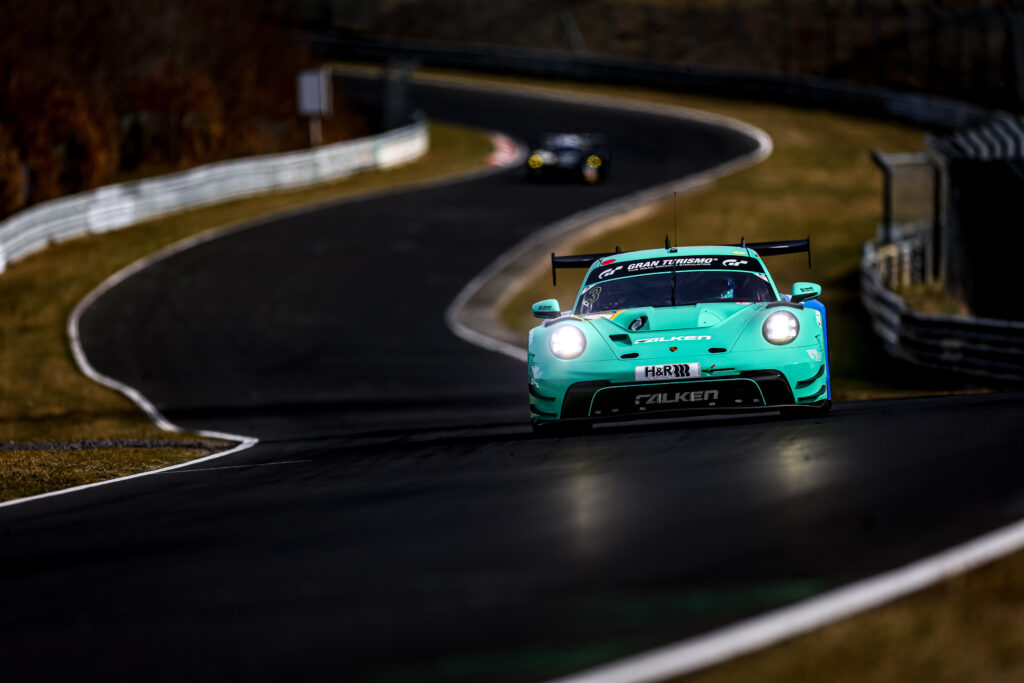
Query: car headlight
pixel 567 342
pixel 594 161
pixel 535 160
pixel 780 327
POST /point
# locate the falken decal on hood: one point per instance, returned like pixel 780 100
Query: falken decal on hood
pixel 688 337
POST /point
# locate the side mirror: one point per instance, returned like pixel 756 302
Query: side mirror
pixel 548 308
pixel 802 291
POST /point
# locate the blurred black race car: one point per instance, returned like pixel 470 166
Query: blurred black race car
pixel 569 156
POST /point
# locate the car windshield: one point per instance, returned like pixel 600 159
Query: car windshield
pixel 690 287
pixel 564 141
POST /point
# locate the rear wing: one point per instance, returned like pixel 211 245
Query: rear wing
pixel 762 248
pixel 778 248
pixel 576 261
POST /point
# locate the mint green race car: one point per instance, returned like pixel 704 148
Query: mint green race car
pixel 678 331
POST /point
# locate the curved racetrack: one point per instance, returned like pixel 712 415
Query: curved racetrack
pixel 398 520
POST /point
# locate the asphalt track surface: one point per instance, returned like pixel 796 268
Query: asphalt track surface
pixel 398 520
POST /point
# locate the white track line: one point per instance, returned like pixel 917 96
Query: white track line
pixel 773 627
pixel 749 635
pixel 504 159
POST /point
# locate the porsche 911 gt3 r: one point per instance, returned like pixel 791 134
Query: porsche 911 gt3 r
pixel 678 330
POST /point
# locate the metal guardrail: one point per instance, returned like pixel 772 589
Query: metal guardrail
pixel 935 112
pixel 118 206
pixel 975 347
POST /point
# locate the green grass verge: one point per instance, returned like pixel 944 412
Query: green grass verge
pixel 43 396
pixel 819 181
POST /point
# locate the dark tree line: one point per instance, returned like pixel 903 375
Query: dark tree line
pixel 91 92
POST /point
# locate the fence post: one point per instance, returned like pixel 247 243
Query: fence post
pixel 879 160
pixel 938 212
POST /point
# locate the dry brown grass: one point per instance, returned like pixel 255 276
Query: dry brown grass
pixel 969 628
pixel 932 298
pixel 30 472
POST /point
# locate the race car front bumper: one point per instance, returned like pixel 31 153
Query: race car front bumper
pixel 602 399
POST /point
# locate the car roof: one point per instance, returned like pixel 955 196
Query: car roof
pixel 571 139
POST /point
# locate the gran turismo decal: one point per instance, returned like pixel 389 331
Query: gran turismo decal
pixel 656 264
pixel 675 397
pixel 666 265
pixel 689 337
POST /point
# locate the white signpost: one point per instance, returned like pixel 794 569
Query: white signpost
pixel 314 92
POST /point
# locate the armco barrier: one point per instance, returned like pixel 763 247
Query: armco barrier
pixel 975 347
pixel 118 206
pixel 930 111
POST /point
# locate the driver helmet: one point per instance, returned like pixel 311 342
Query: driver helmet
pixel 724 288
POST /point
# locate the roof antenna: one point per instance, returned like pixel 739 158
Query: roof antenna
pixel 675 217
pixel 618 249
pixel 667 245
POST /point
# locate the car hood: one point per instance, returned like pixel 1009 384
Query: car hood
pixel 704 326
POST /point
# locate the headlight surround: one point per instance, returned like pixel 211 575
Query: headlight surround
pixel 781 327
pixel 567 342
